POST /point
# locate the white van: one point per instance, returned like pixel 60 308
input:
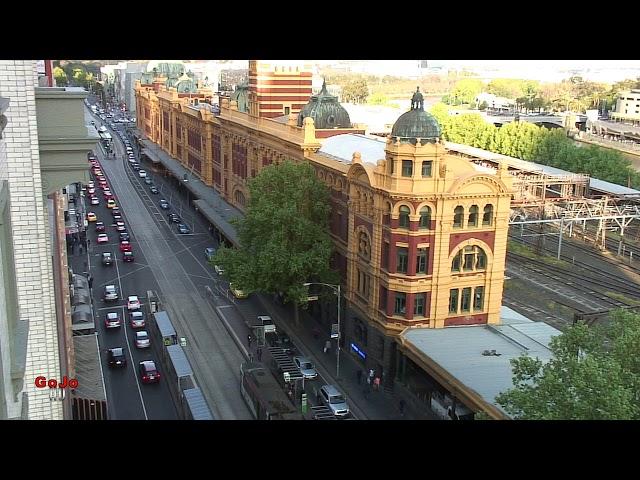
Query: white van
pixel 267 323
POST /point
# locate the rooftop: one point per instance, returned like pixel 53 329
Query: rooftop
pixel 342 147
pixel 459 350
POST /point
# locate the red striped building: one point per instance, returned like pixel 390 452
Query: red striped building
pixel 278 88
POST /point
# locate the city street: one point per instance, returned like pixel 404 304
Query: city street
pixel 174 266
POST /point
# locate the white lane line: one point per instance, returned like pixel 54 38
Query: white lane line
pixel 124 325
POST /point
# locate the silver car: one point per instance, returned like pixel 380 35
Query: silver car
pixel 110 293
pixel 142 339
pixel 306 368
pixel 334 399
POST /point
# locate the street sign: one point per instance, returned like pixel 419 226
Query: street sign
pixel 183 342
pixel 312 298
pixel 304 403
pixel 287 377
pixel 335 332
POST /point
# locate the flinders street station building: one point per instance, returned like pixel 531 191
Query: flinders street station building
pixel 420 233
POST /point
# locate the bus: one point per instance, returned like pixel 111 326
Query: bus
pixel 263 395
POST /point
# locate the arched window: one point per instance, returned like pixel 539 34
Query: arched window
pixel 488 215
pixel 404 216
pixel 469 259
pixel 239 198
pixel 473 216
pixel 425 217
pixel 387 213
pixel 458 217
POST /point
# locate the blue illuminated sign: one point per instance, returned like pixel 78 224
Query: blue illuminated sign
pixel 356 349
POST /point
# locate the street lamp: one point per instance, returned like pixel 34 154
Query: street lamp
pixel 336 289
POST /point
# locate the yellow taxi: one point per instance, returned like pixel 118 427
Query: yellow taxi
pixel 237 292
pixel 91 217
pixel 111 203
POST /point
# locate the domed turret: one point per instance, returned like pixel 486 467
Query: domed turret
pixel 416 123
pixel 325 110
pixel 241 96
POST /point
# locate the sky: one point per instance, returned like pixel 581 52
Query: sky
pixel 543 70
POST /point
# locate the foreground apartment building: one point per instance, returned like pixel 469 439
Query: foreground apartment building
pixel 43 149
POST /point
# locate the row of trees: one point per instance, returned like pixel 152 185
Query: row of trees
pixel 75 74
pixel 574 93
pixel 527 141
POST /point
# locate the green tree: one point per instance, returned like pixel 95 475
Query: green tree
pixel 355 91
pixel 284 238
pixel 466 91
pixel 378 99
pixel 440 111
pixel 594 375
pixel 60 77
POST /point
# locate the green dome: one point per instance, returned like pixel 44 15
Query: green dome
pixel 325 110
pixel 416 123
pixel 241 96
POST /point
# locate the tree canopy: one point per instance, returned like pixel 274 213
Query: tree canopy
pixel 465 91
pixel 284 237
pixel 355 91
pixel 594 375
pixel 60 77
pixel 537 144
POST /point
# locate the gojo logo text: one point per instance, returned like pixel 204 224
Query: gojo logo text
pixel 42 382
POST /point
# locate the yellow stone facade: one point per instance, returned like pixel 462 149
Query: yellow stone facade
pixel 369 223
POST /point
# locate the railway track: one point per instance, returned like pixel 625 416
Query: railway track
pixel 577 281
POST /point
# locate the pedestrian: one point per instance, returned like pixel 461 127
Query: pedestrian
pixel 327 346
pixel 90 281
pixel 88 243
pixel 259 354
pixel 401 407
pixel 376 383
pixel 359 376
pixel 249 340
pixel 372 374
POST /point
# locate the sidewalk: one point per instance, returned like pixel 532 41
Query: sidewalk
pixel 369 405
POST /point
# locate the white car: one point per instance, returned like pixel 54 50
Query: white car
pixel 95 201
pixel 133 303
pixel 142 339
pixel 219 270
pixel 142 174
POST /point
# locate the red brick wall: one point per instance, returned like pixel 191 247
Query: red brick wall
pixel 466 320
pixel 457 238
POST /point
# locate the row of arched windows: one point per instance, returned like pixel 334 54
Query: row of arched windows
pixel 458 216
pixel 472 219
pixel 425 217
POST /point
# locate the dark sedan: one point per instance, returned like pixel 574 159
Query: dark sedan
pixel 128 257
pixel 116 357
pixel 100 228
pixel 182 228
pixel 124 236
pixel 164 204
pixel 174 217
pixel 153 189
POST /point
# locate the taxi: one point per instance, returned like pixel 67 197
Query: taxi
pixel 91 217
pixel 111 203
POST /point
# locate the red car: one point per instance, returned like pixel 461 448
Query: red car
pixel 125 246
pixel 148 372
